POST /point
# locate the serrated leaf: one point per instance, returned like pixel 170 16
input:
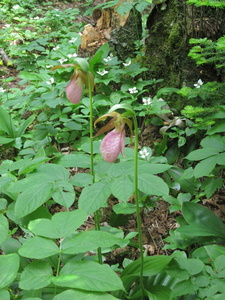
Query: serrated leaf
pixel 9 265
pixel 36 276
pixel 4 228
pixel 152 185
pixel 88 240
pixel 61 225
pixel 89 276
pixel 94 196
pixel 122 188
pixel 33 197
pixel 38 247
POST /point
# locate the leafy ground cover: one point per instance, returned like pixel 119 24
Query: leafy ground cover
pixel 82 216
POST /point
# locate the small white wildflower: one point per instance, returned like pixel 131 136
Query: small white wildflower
pixel 127 63
pixel 62 60
pixel 16 6
pixel 49 66
pixel 35 18
pixel 133 90
pixel 55 48
pixel 2 90
pixel 57 15
pixel 102 72
pixel 198 84
pixel 144 153
pixel 107 59
pixel 73 40
pixel 146 101
pixel 50 81
pixel 72 55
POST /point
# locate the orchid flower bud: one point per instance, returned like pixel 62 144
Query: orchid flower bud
pixel 80 78
pixel 112 145
pixel 114 142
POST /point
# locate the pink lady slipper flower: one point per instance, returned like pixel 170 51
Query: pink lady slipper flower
pixel 82 77
pixel 114 142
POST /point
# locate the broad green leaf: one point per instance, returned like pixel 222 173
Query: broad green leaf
pixel 9 265
pixel 24 125
pixel 5 140
pixel 152 185
pixel 124 208
pixel 61 225
pixel 158 292
pixel 219 263
pixel 210 185
pixel 152 266
pixel 94 196
pixel 81 179
pixel 183 288
pixel 4 228
pixel 205 167
pixel 39 248
pixel 218 127
pixel 215 142
pixel 193 266
pixel 82 295
pixel 78 160
pixel 6 123
pixel 29 166
pixel 63 193
pixel 36 276
pixel 209 252
pixel 122 188
pixel 32 198
pixel 88 276
pixel 4 295
pixel 220 159
pixel 89 240
pixel 203 218
pixel 200 154
pixel 149 168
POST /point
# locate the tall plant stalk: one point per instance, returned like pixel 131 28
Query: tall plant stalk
pixel 137 196
pixel 96 214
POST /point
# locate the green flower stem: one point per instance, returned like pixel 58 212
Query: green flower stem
pixel 136 194
pixel 96 214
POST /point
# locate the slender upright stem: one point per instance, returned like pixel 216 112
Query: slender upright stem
pixel 96 214
pixel 136 194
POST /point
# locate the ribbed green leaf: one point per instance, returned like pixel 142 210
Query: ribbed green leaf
pixel 88 276
pixel 38 247
pixel 152 266
pixel 122 188
pixel 9 265
pixel 82 295
pixel 152 185
pixel 4 228
pixel 61 225
pixel 89 240
pixel 36 276
pixel 94 196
